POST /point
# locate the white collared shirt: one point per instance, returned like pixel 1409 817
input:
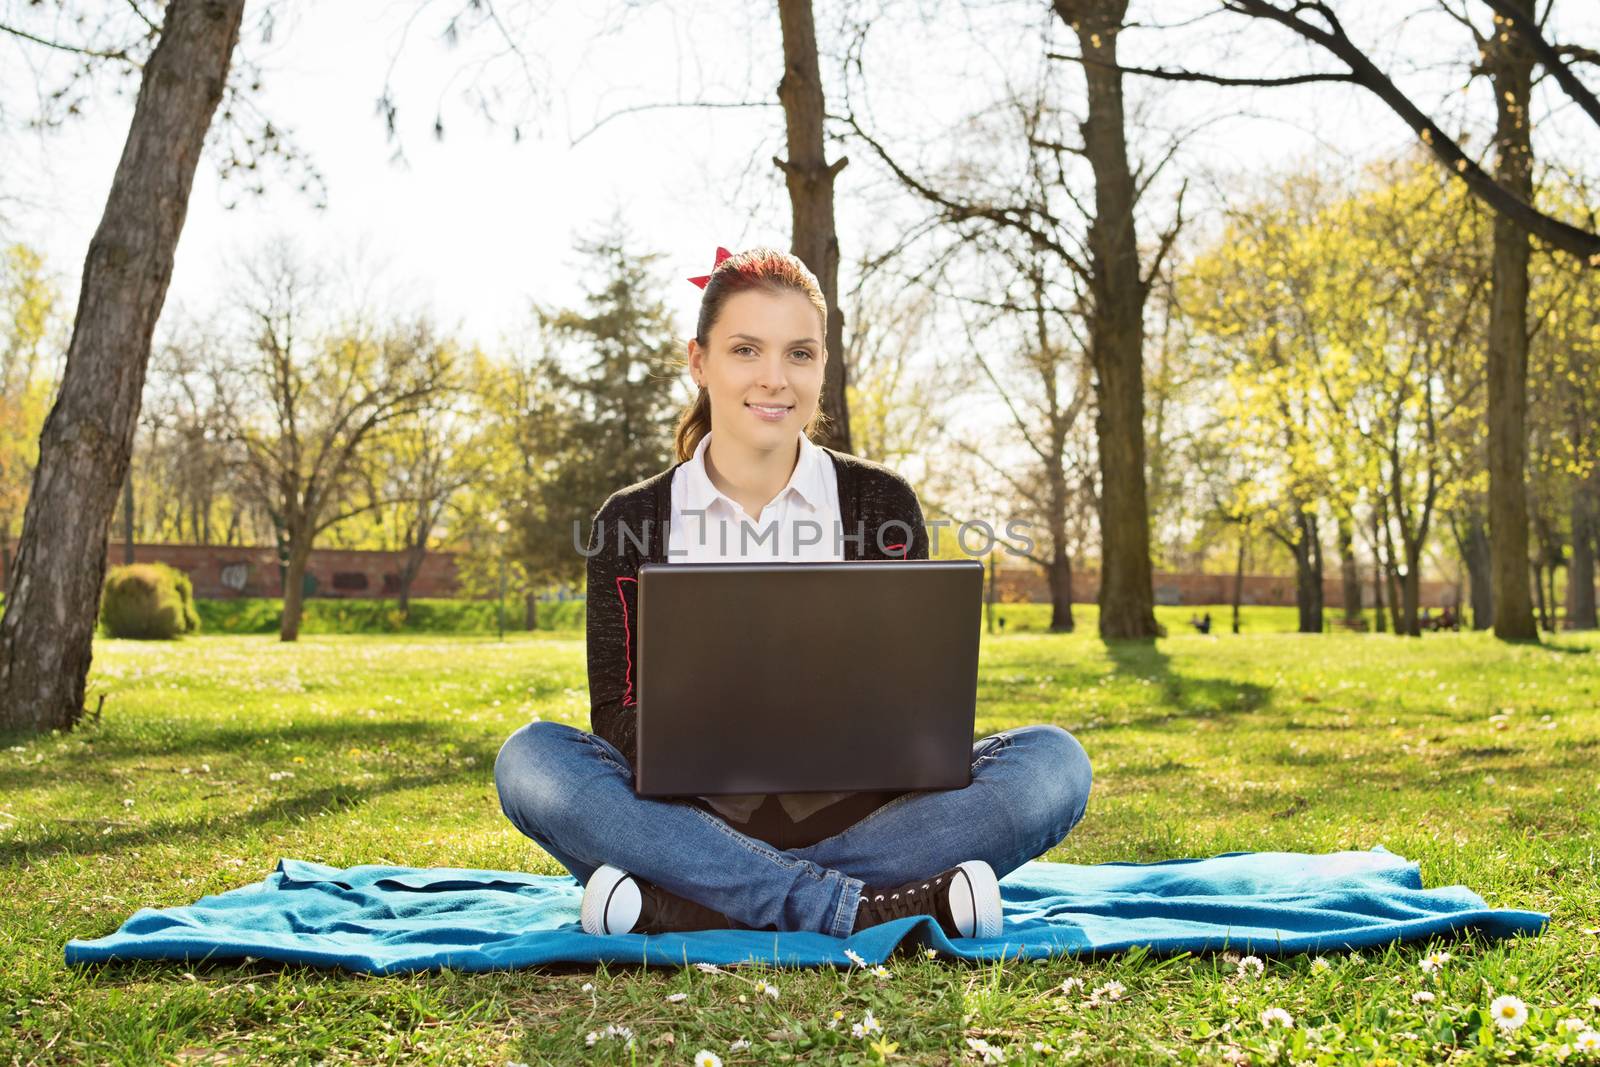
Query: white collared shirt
pixel 801 523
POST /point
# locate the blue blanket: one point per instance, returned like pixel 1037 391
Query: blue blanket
pixel 392 919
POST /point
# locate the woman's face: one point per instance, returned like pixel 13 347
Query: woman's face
pixel 762 367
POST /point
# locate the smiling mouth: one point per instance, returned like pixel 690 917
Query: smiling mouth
pixel 770 407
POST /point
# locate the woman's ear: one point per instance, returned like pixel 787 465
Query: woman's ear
pixel 696 358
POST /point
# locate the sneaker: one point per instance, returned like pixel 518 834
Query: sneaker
pixel 616 902
pixel 965 900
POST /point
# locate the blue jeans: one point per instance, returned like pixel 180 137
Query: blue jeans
pixel 572 793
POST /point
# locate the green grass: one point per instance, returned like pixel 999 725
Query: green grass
pixel 1201 745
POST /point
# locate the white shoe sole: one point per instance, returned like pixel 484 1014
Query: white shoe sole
pixel 607 901
pixel 986 910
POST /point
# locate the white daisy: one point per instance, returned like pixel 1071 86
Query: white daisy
pixel 1070 984
pixel 587 987
pixel 931 953
pixel 1588 1041
pixel 1508 1012
pixel 868 1025
pixel 590 1038
pixel 1434 962
pixel 676 998
pixel 1594 1002
pixel 1109 991
pixel 1276 1017
pixel 855 957
pixel 709 968
pixel 838 1017
pixel 1321 964
pixel 742 1043
pixel 881 971
pixel 1422 996
pixel 989 1052
pixel 706 1058
pixel 1251 965
pixel 768 988
pixel 1573 1025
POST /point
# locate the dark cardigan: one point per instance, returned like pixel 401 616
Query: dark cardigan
pixel 881 517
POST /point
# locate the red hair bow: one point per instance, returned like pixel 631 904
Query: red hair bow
pixel 722 254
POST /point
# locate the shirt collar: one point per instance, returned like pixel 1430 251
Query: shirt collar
pixel 806 480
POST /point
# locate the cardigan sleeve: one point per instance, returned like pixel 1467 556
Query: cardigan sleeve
pixel 611 633
pixel 902 510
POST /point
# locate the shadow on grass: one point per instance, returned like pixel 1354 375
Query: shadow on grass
pixel 88 836
pixel 199 743
pixel 1186 696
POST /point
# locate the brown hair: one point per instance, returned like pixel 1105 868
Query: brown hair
pixel 764 269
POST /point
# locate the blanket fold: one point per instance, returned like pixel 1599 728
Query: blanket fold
pixel 380 920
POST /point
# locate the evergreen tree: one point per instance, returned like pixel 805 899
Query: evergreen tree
pixel 601 406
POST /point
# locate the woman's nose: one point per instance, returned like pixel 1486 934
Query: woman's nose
pixel 772 373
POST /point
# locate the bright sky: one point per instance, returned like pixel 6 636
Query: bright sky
pixel 476 225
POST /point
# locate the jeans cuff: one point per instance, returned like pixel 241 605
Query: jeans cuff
pixel 844 917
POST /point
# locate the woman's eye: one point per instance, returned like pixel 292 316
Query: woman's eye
pixel 806 352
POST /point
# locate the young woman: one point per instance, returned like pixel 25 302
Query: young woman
pixel 834 863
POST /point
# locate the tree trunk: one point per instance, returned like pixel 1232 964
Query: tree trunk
pixel 47 634
pixel 1540 611
pixel 294 588
pixel 1380 617
pixel 810 180
pixel 1391 575
pixel 1238 575
pixel 1411 591
pixel 1580 571
pixel 1308 573
pixel 1473 543
pixel 1060 575
pixel 408 574
pixel 1349 573
pixel 1510 66
pixel 1116 330
pixel 1554 622
pixel 530 611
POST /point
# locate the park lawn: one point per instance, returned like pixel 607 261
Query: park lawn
pixel 217 755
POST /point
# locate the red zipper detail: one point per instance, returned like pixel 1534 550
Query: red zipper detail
pixel 627 640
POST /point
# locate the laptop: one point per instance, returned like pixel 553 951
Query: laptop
pixel 815 676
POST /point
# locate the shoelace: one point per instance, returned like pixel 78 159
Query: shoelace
pixel 905 901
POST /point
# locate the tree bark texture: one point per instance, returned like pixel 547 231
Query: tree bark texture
pixel 1308 573
pixel 810 179
pixel 1581 613
pixel 1510 64
pixel 1060 575
pixel 1116 330
pixel 47 634
pixel 1349 571
pixel 1472 539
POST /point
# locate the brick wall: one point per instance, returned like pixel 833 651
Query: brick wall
pixel 221 572
pixel 1028 585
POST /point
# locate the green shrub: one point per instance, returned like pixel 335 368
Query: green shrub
pixel 261 615
pixel 151 601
